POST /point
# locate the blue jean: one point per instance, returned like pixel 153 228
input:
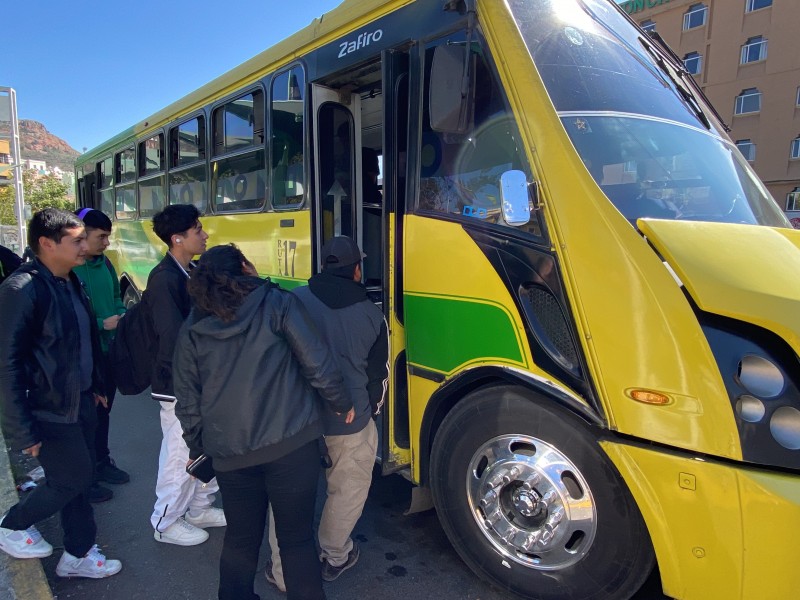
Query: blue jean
pixel 67 456
pixel 290 484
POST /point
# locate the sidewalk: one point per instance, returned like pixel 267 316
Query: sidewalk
pixel 22 579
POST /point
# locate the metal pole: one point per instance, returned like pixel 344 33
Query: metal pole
pixel 19 191
pixel 16 159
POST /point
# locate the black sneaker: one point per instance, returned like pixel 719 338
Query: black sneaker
pixel 109 472
pixel 98 493
pixel 329 572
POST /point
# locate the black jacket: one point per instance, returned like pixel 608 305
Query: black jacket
pixel 246 389
pixel 354 328
pixel 168 301
pixel 39 356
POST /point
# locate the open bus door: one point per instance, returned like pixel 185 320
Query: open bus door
pixel 337 121
pixel 368 108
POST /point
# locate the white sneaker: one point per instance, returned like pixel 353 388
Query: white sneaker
pixel 208 517
pixel 24 543
pixel 93 565
pixel 181 533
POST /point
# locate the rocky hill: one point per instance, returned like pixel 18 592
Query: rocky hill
pixel 36 143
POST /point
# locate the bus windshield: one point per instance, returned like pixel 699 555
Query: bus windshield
pixel 641 133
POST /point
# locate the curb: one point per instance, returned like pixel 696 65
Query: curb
pixel 19 579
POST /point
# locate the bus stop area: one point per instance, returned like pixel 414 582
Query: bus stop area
pixel 401 556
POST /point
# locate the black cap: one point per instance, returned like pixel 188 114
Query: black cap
pixel 341 251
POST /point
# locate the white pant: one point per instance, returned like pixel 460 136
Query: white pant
pixel 176 490
pixel 349 478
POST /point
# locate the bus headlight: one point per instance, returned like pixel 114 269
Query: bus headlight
pixel 762 377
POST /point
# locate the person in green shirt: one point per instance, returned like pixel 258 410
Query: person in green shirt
pixel 102 286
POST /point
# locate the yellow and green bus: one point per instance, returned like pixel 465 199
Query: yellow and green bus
pixel 593 302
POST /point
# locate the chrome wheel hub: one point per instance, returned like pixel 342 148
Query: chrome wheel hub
pixel 531 502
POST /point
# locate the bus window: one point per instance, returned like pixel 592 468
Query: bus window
pixel 151 175
pixel 460 173
pixel 287 139
pixel 239 180
pixel 151 155
pixel 188 175
pixel 125 190
pixel 105 182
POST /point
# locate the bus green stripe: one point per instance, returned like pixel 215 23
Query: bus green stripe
pixel 445 333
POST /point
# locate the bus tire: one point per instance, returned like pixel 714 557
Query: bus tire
pixel 532 504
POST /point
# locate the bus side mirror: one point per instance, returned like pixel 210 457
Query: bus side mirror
pixel 452 89
pixel 514 198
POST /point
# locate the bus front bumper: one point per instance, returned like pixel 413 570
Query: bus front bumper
pixel 720 530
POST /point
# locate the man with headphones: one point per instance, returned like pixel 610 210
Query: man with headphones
pixel 183 504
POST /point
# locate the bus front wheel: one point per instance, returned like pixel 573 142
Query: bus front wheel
pixel 531 504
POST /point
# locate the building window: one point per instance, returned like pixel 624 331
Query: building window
pixel 795 152
pixel 693 62
pixel 648 25
pixel 695 16
pixel 755 49
pixel 757 4
pixel 797 99
pixel 747 148
pixel 793 199
pixel 749 101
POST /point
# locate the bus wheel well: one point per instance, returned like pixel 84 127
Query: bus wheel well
pixel 531 502
pixel 449 395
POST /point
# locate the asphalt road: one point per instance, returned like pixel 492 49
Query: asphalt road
pixel 402 557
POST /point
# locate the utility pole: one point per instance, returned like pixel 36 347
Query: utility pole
pixel 8 112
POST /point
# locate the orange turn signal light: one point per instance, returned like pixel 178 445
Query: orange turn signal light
pixel 649 397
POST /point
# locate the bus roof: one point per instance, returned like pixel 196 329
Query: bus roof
pixel 349 15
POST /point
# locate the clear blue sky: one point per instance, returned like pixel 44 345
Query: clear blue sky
pixel 87 69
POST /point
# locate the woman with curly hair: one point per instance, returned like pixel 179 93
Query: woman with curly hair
pixel 246 365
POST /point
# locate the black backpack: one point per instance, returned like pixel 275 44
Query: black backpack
pixel 133 350
pixel 9 262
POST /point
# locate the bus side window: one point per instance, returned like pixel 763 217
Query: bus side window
pixel 188 171
pixel 237 167
pixel 288 176
pixel 460 173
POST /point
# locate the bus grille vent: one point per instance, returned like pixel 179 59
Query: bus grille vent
pixel 549 325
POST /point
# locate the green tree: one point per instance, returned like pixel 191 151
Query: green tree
pixel 41 191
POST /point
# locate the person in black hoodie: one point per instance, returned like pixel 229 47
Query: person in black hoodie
pixel 245 370
pixel 356 331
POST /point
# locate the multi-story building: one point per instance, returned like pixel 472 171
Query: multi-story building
pixel 745 55
pixel 5 160
pixel 39 166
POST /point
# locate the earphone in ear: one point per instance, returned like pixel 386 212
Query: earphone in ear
pixel 178 240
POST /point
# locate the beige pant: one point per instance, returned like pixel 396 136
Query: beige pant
pixel 349 478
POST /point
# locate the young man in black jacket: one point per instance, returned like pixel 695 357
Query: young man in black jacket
pixel 183 504
pixel 49 386
pixel 356 332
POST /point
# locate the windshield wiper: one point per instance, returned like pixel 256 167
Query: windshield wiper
pixel 684 93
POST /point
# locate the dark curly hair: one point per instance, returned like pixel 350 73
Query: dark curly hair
pixel 218 285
